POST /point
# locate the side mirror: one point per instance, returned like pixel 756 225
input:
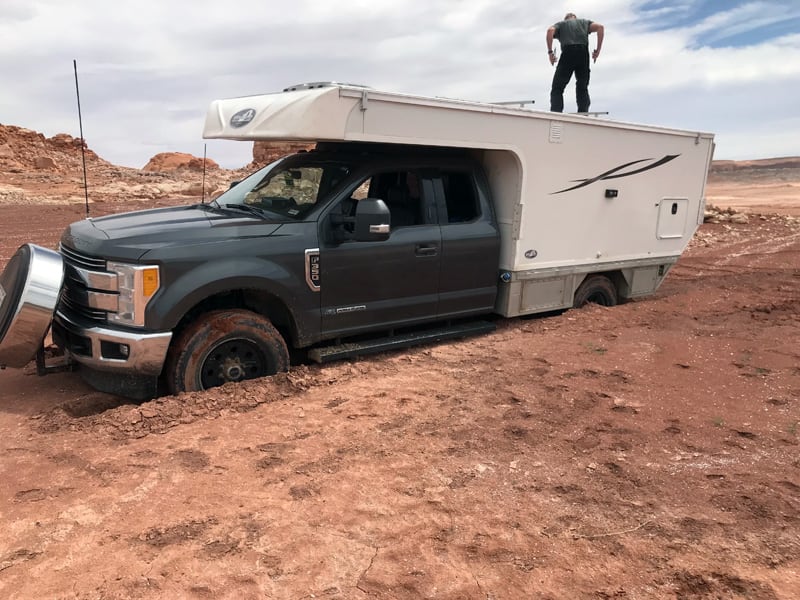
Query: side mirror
pixel 373 221
pixel 233 184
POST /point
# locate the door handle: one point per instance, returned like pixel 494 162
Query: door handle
pixel 425 250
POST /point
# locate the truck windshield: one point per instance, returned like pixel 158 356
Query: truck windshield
pixel 286 188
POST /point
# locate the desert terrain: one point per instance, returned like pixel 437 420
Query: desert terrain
pixel 645 451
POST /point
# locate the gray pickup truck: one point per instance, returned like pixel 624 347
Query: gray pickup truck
pixel 346 249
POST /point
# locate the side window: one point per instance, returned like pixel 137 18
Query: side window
pixel 400 190
pixel 460 196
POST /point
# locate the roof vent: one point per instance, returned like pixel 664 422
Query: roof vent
pixel 556 132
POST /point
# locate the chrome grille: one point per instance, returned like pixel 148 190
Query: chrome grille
pixel 79 269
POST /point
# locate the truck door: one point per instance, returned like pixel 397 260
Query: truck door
pixel 470 245
pixel 378 285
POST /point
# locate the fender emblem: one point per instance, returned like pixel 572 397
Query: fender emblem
pixel 313 271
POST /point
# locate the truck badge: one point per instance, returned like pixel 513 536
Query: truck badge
pixel 313 273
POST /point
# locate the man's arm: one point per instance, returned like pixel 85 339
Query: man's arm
pixel 551 55
pixel 600 31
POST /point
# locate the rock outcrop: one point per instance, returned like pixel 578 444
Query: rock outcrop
pixel 25 149
pixel 175 161
pixel 266 152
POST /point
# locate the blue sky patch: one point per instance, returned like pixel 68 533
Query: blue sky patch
pixel 723 23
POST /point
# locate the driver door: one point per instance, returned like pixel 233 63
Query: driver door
pixel 385 284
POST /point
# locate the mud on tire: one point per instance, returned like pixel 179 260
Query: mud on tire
pixel 222 346
pixel 596 289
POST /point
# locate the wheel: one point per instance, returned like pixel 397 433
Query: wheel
pixel 595 289
pixel 222 346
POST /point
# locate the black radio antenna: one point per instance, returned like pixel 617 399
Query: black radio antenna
pixel 203 187
pixel 83 143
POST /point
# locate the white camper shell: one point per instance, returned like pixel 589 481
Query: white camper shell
pixel 573 194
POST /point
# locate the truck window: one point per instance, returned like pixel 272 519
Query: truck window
pixel 460 197
pixel 400 190
pixel 286 189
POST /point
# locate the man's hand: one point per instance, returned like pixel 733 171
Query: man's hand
pixel 552 56
pixel 595 54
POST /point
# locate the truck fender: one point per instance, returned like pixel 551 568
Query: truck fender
pixel 211 278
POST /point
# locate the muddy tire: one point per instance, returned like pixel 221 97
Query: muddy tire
pixel 222 346
pixel 596 289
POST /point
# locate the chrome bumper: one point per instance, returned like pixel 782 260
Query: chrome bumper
pixel 102 348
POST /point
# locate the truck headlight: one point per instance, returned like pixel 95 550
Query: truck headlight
pixel 137 285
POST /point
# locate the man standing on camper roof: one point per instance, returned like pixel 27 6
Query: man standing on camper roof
pixel 573 35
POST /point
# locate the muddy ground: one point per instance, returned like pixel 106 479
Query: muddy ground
pixel 650 450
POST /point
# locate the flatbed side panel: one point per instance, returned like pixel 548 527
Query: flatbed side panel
pixel 542 290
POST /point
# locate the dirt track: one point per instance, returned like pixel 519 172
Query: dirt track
pixel 649 450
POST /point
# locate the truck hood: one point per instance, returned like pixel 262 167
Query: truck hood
pixel 129 236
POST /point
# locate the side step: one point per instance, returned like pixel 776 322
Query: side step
pixel 402 340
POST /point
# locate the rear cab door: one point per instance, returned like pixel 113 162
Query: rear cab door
pixel 470 241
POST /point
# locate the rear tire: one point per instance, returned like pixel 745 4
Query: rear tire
pixel 595 289
pixel 222 346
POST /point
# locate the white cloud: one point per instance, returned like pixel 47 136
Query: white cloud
pixel 149 69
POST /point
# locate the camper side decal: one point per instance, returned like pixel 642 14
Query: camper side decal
pixel 614 173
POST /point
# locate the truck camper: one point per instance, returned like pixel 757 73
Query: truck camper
pixel 411 219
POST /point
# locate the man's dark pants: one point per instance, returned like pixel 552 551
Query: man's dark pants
pixel 574 59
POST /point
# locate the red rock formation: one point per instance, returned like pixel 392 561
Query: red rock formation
pixel 174 161
pixel 22 148
pixel 265 152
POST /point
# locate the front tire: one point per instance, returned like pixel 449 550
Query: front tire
pixel 596 289
pixel 222 346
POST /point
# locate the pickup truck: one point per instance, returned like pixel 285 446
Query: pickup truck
pixel 357 246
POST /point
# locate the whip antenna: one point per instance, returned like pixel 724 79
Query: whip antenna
pixel 203 187
pixel 83 143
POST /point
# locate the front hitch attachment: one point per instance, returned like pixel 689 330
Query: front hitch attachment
pixel 57 364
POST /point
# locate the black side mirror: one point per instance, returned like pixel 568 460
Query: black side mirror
pixel 373 221
pixel 233 184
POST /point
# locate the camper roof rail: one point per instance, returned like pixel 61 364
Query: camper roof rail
pixel 313 85
pixel 520 103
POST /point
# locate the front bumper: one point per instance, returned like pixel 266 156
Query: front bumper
pixel 111 349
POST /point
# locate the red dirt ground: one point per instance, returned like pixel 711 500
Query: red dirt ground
pixel 650 450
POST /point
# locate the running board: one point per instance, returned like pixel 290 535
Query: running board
pixel 403 340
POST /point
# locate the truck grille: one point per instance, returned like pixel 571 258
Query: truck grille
pixel 84 277
pixel 85 261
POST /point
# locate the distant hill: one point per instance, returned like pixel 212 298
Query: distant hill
pixel 786 162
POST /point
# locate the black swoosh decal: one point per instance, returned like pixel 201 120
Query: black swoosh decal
pixel 613 173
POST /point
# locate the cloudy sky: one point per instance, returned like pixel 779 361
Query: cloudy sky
pixel 148 69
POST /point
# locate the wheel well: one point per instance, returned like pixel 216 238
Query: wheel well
pixel 258 301
pixel 616 278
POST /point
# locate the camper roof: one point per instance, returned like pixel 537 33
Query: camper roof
pixel 330 111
